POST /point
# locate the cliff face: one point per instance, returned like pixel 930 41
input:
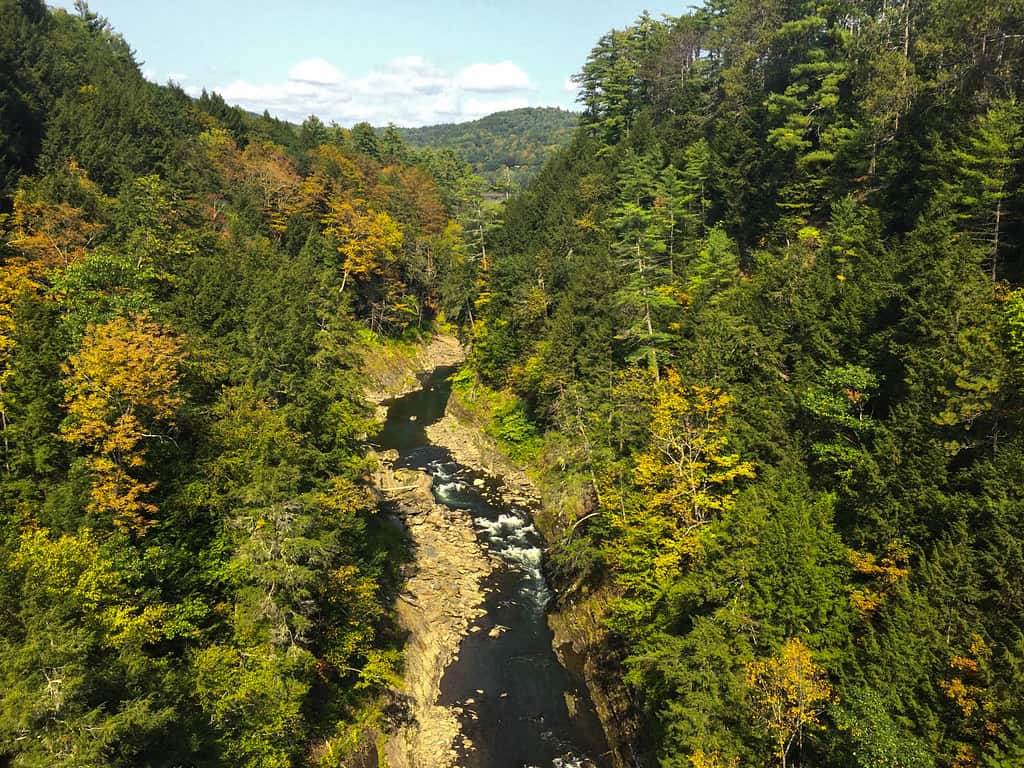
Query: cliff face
pixel 392 370
pixel 582 646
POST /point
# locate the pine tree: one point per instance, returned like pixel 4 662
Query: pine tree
pixel 643 254
pixel 988 165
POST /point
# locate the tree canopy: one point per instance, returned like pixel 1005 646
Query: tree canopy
pixel 761 319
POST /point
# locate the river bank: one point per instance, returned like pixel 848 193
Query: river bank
pixel 442 596
pixel 442 593
pixel 395 370
pixel 576 621
pixel 475 589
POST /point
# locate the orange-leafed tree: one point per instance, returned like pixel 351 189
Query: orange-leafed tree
pixel 790 693
pixel 422 190
pixel 54 235
pixel 412 196
pixel 262 167
pixel 121 390
pixel 267 168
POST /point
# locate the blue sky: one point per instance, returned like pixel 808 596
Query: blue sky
pixel 413 62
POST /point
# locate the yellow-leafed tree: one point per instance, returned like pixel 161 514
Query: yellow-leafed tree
pixel 366 239
pixel 687 472
pixel 687 468
pixel 121 389
pixel 15 279
pixel 790 694
pixel 684 479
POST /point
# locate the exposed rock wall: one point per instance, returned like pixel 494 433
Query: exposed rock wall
pixel 392 371
pixel 578 626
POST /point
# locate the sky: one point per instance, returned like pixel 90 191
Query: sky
pixel 411 62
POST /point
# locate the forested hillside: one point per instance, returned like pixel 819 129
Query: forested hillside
pixel 507 148
pixel 192 569
pixel 758 330
pixel 762 328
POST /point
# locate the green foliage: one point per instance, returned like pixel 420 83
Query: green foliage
pixel 463 379
pixel 876 738
pixel 808 213
pixel 510 424
pixel 191 568
pixel 714 269
pixel 507 148
pixel 802 221
pixel 253 699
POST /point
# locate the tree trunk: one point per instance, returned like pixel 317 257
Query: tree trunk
pixel 3 425
pixel 995 236
pixel 906 60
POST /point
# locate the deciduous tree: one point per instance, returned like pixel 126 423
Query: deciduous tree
pixel 122 388
pixel 790 694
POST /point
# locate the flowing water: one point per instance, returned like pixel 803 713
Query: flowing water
pixel 520 707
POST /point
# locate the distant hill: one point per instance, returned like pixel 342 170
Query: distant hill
pixel 519 139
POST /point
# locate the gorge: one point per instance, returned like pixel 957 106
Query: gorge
pixel 499 676
pixel 715 456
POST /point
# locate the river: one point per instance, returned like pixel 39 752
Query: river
pixel 517 704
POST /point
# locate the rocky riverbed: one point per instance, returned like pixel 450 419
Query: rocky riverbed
pixel 577 624
pixel 442 593
pixel 473 449
pixel 442 597
pixel 479 659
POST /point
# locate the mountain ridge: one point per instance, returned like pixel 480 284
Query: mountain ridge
pixel 506 147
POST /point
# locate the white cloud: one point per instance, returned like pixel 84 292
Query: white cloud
pixel 409 90
pixel 405 76
pixel 178 77
pixel 316 71
pixel 248 93
pixel 413 64
pixel 150 74
pixel 570 86
pixel 503 76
